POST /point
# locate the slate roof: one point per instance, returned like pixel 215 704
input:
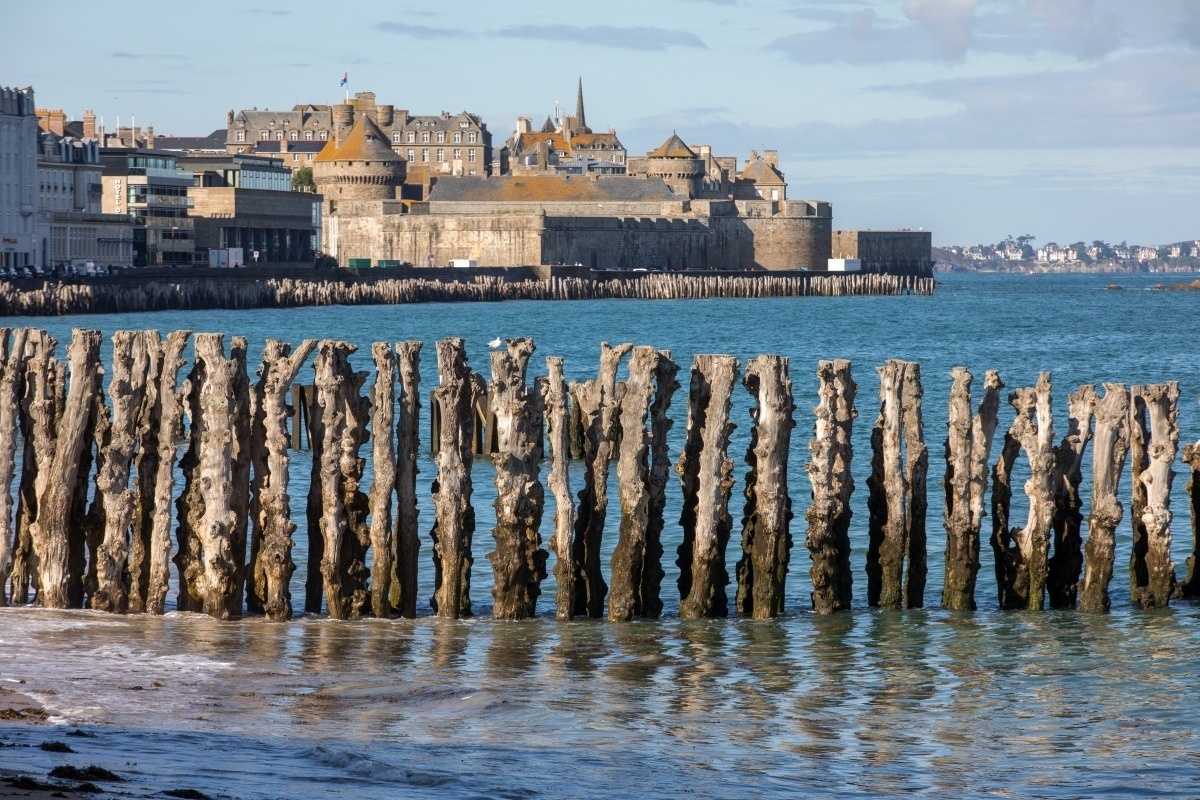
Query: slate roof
pixel 214 141
pixel 364 142
pixel 275 146
pixel 760 171
pixel 550 189
pixel 672 148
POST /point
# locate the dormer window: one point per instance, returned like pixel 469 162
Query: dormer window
pixel 265 135
pixel 441 136
pixel 241 136
pixel 396 138
pixel 308 136
pixel 293 136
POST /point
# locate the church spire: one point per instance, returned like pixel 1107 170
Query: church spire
pixel 579 120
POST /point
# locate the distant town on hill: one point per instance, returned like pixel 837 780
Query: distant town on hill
pixel 1019 254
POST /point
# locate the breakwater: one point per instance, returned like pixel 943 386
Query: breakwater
pixel 231 292
pixel 92 521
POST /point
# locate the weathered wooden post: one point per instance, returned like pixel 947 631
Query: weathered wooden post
pixel 456 395
pixel 1108 459
pixel 968 450
pixel 1065 565
pixel 706 472
pixel 1021 553
pixel 240 466
pixel 1190 588
pixel 271 566
pixel 1154 440
pixel 553 389
pixel 897 502
pixel 189 506
pixel 130 366
pixel 12 380
pixel 625 599
pixel 407 537
pixel 766 540
pixel 660 474
pixel 599 410
pixel 343 526
pixel 383 481
pixel 39 411
pixel 828 537
pixel 145 467
pixel 168 414
pixel 50 533
pixel 518 562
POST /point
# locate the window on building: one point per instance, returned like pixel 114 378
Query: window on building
pixel 470 172
pixel 441 136
pixel 293 136
pixel 412 137
pixel 241 136
pixel 308 136
pixel 424 153
pixel 308 157
pixel 324 135
pixel 441 155
pixel 457 137
pixel 425 136
pixel 462 124
pixel 295 156
pixel 410 154
pixel 471 156
pixel 457 154
pixel 471 137
pixel 279 136
pixel 396 138
pixel 265 135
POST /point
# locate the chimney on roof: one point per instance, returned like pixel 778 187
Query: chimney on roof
pixel 771 157
pixel 89 124
pixel 753 155
pixel 524 125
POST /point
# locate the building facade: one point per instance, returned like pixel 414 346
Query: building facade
pixel 431 146
pixel 18 178
pixel 247 201
pixel 72 227
pixel 147 186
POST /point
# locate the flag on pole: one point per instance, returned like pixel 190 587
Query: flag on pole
pixel 345 78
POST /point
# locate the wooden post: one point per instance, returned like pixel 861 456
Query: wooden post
pixel 1154 436
pixel 270 569
pixel 828 537
pixel 706 472
pixel 51 538
pixel 968 452
pixel 1108 459
pixel 1065 565
pixel 766 540
pixel 553 389
pixel 406 536
pixel 518 562
pixel 168 414
pixel 625 599
pixel 131 366
pixel 454 526
pixel 665 385
pixel 145 466
pixel 1021 553
pixel 897 492
pixel 599 409
pixel 383 482
pixel 12 379
pixel 38 419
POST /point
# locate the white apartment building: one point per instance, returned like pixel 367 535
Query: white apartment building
pixel 18 178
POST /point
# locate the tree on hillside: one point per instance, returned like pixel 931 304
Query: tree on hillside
pixel 302 180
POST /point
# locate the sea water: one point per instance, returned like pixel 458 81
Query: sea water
pixel 923 703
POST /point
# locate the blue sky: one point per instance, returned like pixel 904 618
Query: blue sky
pixel 976 119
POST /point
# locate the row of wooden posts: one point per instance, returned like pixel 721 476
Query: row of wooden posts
pixel 228 291
pixel 110 549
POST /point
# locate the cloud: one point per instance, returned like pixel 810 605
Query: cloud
pixel 273 12
pixel 949 22
pixel 1189 27
pixel 1081 27
pixel 420 31
pixel 856 37
pixel 631 38
pixel 159 56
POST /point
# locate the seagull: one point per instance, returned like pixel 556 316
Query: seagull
pixel 494 343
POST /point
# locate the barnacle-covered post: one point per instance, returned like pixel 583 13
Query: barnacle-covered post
pixel 518 562
pixel 1108 459
pixel 828 536
pixel 968 450
pixel 766 540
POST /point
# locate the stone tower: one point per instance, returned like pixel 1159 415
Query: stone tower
pixel 579 118
pixel 362 166
pixel 677 165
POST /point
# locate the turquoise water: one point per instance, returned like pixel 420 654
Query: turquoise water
pixel 863 704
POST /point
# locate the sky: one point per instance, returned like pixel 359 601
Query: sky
pixel 1067 120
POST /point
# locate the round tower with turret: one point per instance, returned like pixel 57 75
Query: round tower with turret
pixel 676 164
pixel 361 166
